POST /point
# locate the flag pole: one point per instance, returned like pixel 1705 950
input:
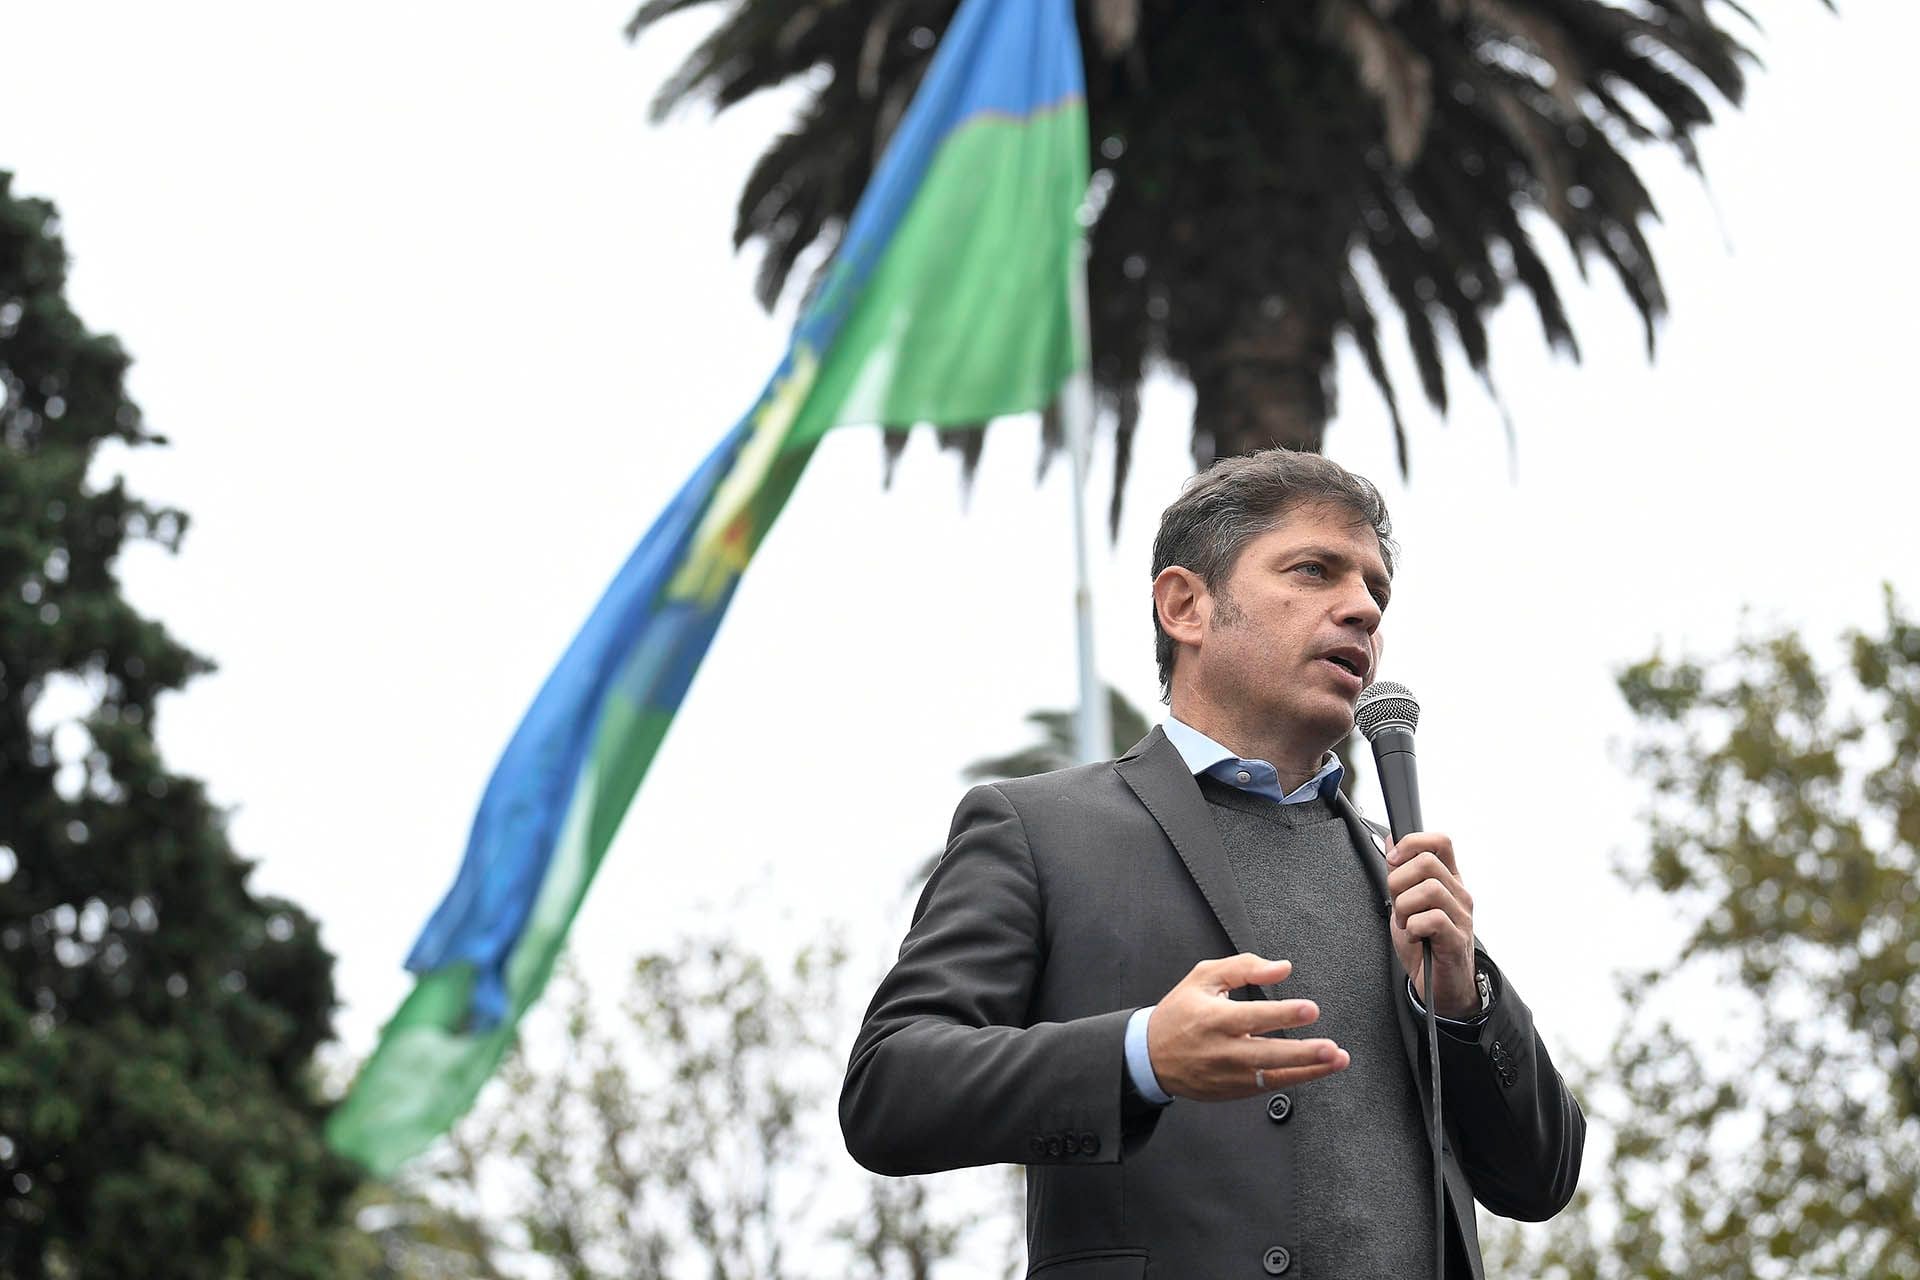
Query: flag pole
pixel 1093 737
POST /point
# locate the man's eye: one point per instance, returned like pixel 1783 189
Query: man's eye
pixel 1313 568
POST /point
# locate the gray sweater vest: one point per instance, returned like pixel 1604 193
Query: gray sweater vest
pixel 1363 1174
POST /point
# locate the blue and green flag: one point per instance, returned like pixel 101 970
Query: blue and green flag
pixel 949 301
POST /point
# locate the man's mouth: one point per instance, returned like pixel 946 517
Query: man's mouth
pixel 1352 660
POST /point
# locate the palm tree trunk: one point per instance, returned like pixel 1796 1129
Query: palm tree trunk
pixel 1270 383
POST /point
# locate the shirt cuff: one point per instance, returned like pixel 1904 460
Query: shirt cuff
pixel 1139 1065
pixel 1441 1018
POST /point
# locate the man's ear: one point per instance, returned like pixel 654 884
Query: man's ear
pixel 1183 603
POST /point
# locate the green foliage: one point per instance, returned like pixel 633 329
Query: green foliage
pixel 402 1234
pixel 1777 1131
pixel 157 1019
pixel 1272 174
pixel 691 1136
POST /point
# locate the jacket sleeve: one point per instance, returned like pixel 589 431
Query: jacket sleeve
pixel 1517 1127
pixel 946 1072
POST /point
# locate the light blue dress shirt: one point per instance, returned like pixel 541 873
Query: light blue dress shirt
pixel 1205 756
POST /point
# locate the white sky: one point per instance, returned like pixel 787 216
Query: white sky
pixel 435 322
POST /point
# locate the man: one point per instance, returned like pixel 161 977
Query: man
pixel 1184 987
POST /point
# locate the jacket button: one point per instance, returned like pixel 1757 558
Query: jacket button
pixel 1089 1143
pixel 1037 1147
pixel 1279 1107
pixel 1503 1064
pixel 1055 1147
pixel 1276 1260
pixel 1070 1143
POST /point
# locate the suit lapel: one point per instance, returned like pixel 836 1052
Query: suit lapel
pixel 1160 778
pixel 1365 837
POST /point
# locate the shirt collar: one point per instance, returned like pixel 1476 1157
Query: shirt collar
pixel 1205 756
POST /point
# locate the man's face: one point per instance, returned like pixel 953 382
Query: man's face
pixel 1291 637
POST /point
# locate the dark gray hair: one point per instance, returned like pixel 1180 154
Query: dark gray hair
pixel 1236 500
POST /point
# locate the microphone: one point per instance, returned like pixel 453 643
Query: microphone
pixel 1387 713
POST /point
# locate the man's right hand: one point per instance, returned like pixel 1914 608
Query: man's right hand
pixel 1206 1046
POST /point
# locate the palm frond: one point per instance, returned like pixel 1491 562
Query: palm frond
pixel 1400 80
pixel 1056 747
pixel 1250 161
pixel 1116 25
pixel 969 442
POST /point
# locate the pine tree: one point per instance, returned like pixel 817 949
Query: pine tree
pixel 158 1020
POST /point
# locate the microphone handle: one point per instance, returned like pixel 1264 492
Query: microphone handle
pixel 1393 757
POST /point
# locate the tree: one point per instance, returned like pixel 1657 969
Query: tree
pixel 402 1233
pixel 1269 174
pixel 158 1020
pixel 1778 1135
pixel 691 1136
pixel 1056 748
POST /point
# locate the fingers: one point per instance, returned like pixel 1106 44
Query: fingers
pixel 1255 1064
pixel 1244 970
pixel 1204 1046
pixel 1439 926
pixel 1424 862
pixel 1433 895
pixel 1289 1062
pixel 1430 904
pixel 1455 994
pixel 1424 874
pixel 1257 1017
pixel 1415 843
pixel 1288 1077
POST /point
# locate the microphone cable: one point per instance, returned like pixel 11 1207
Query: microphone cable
pixel 1434 1137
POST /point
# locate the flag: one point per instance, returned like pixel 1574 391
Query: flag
pixel 948 301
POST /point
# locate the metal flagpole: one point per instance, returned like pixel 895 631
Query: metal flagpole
pixel 1093 738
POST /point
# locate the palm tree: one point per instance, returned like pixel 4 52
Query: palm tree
pixel 1056 748
pixel 1272 172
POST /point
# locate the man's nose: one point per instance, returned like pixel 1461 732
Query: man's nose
pixel 1360 609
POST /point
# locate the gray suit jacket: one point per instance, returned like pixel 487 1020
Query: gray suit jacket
pixel 1063 903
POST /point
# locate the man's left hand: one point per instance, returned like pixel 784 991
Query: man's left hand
pixel 1423 880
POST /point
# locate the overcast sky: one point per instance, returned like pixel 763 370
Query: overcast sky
pixel 435 322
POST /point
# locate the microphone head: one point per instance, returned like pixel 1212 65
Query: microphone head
pixel 1383 705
